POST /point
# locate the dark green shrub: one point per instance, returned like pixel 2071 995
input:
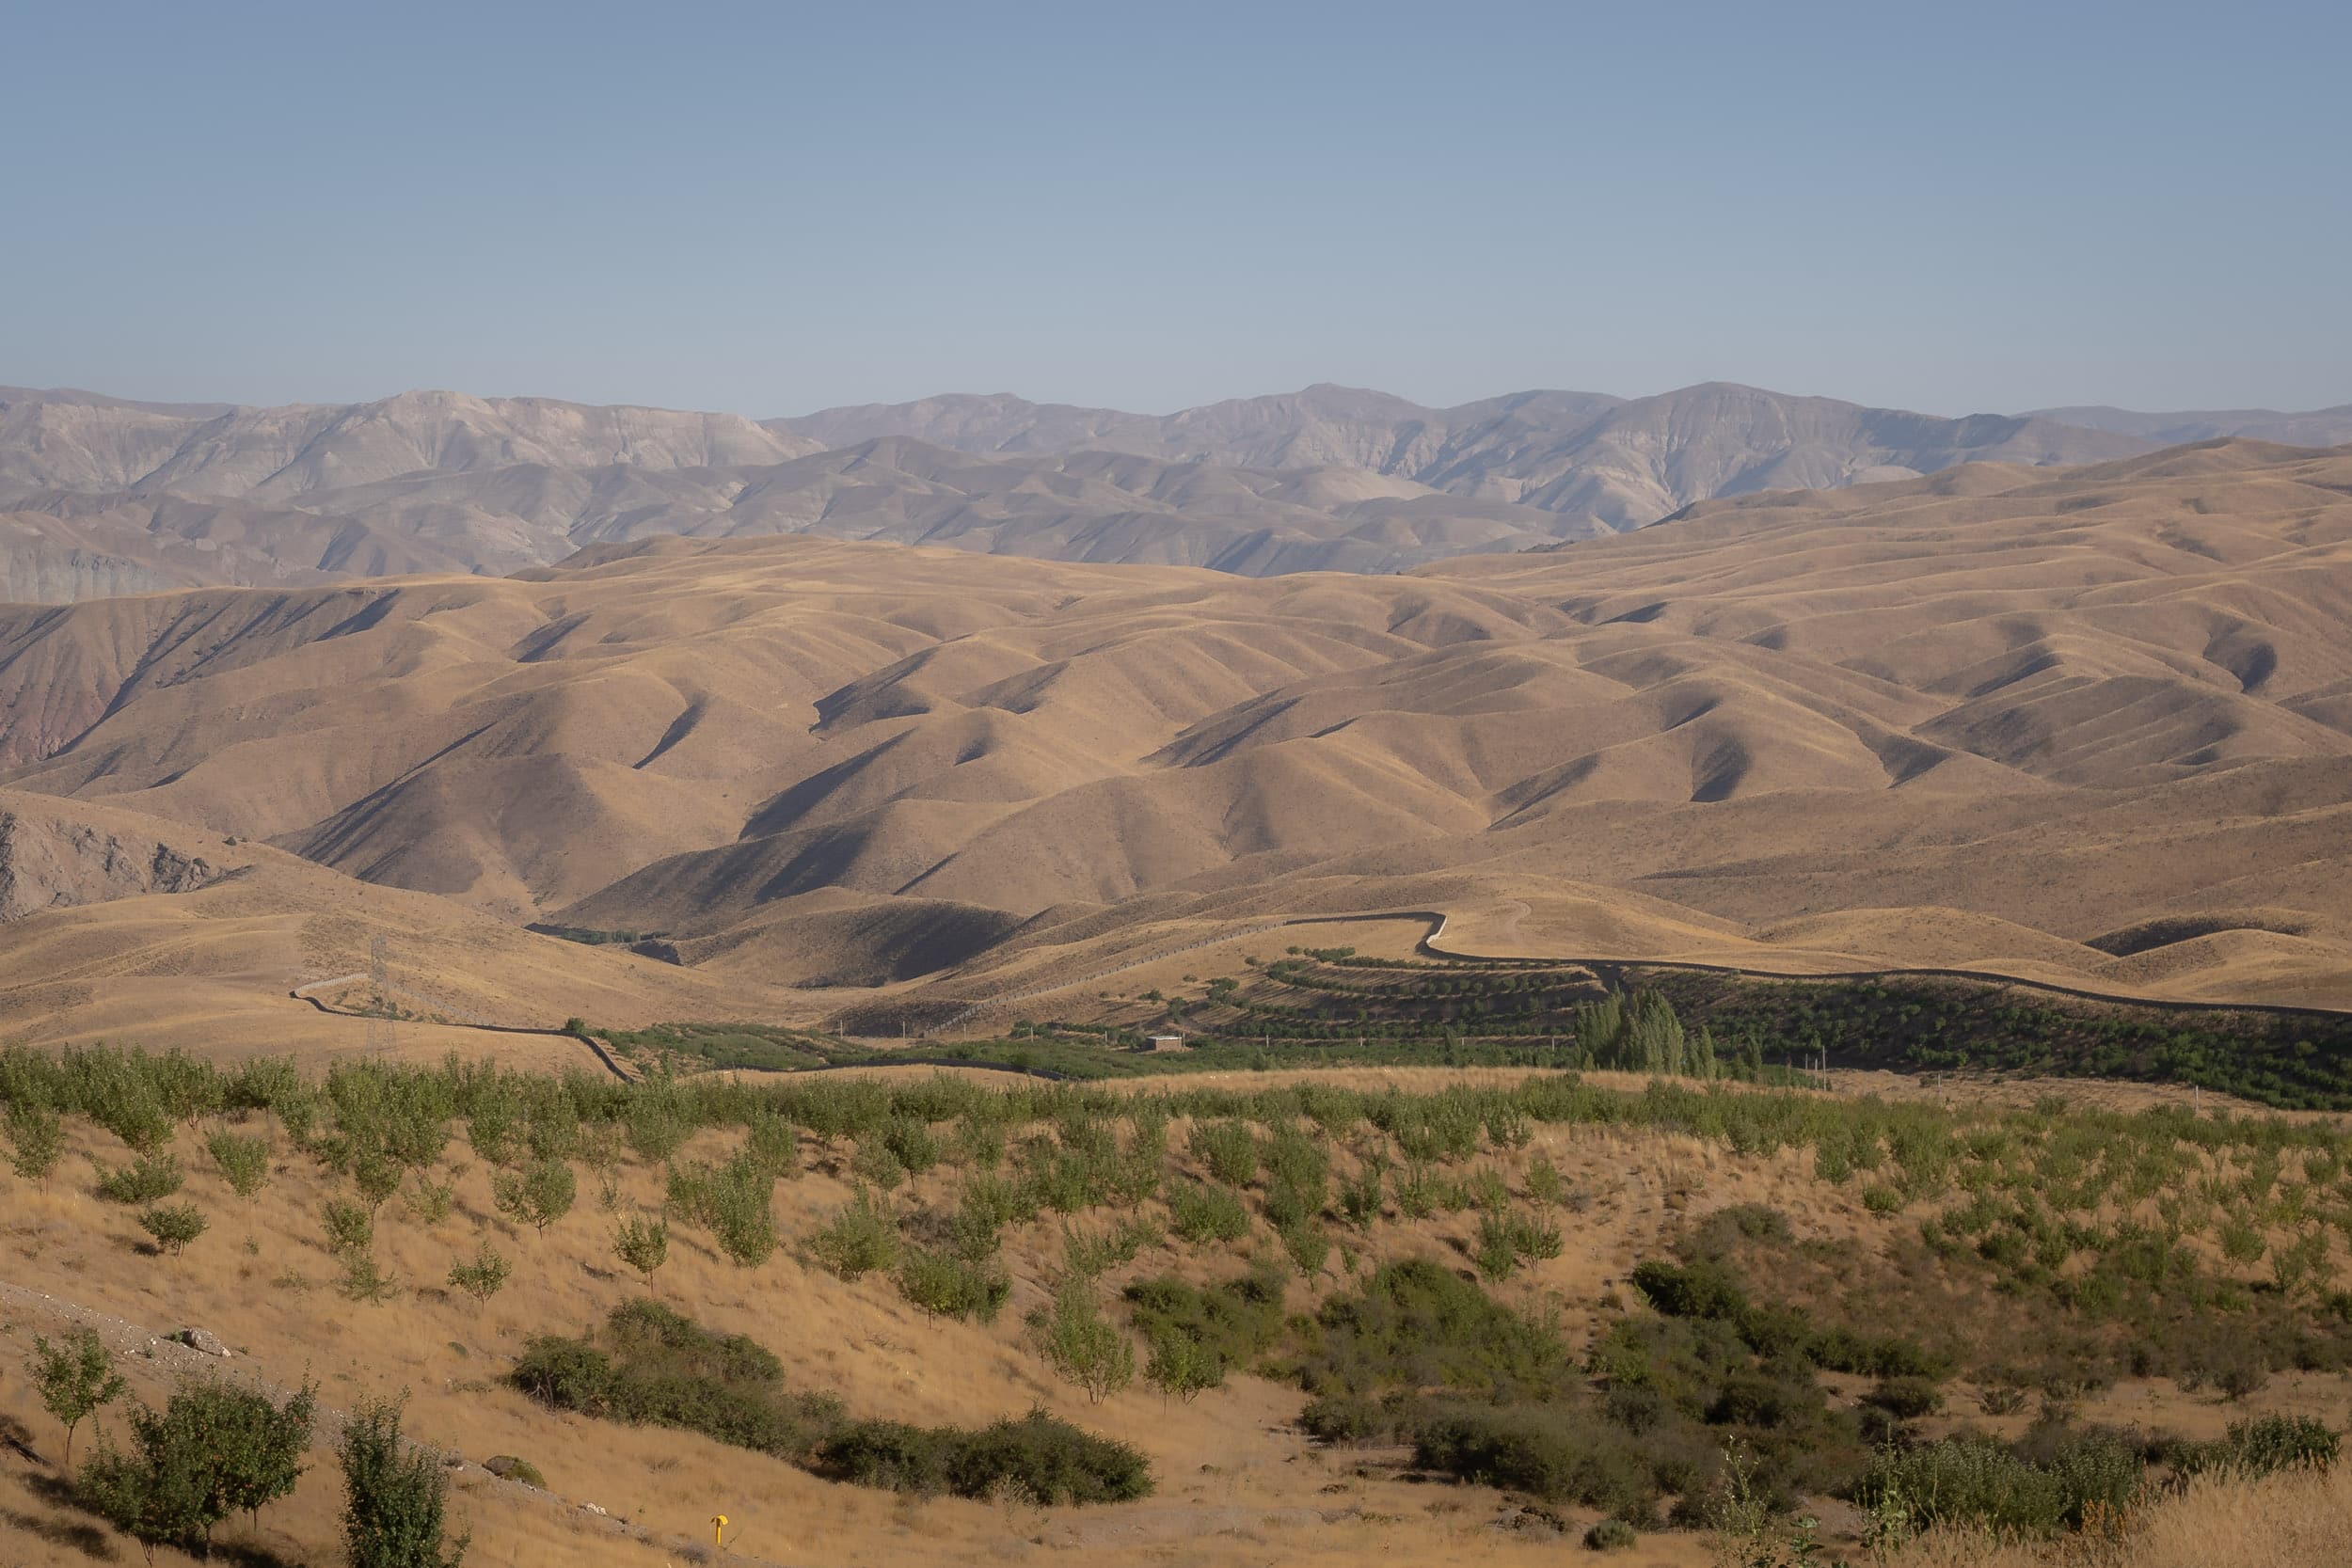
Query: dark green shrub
pixel 570 1374
pixel 1549 1453
pixel 1056 1464
pixel 1702 1289
pixel 1048 1460
pixel 1416 1326
pixel 891 1455
pixel 659 1368
pixel 1757 1398
pixel 1906 1399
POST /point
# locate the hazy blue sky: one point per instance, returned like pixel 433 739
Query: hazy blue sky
pixel 773 208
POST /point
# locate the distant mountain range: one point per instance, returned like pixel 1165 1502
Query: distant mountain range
pixel 102 494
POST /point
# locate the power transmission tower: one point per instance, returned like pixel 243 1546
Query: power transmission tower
pixel 383 1028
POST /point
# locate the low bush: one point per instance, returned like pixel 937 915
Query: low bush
pixel 1415 1325
pixel 2259 1447
pixel 1553 1454
pixel 172 1225
pixel 945 1285
pixel 1906 1399
pixel 652 1366
pixel 658 1368
pixel 1609 1535
pixel 1045 1459
pixel 1199 1212
pixel 1974 1481
pixel 1195 1334
pixel 145 1180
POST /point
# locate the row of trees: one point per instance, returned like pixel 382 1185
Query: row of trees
pixel 216 1450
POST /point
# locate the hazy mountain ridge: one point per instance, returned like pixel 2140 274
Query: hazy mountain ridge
pixel 102 494
pixel 2319 427
pixel 1613 462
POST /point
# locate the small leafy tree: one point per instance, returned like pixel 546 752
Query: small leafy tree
pixel 210 1452
pixel 741 1214
pixel 600 1147
pixel 155 1505
pixel 861 1237
pixel 1181 1365
pixel 37 1135
pixel 268 1447
pixel 774 1144
pixel 1085 1346
pixel 1228 1149
pixel 482 1278
pixel 431 1200
pixel 657 1120
pixel 643 1245
pixel 75 1379
pixel 172 1225
pixel 395 1498
pixel 538 1195
pixel 378 1176
pixel 243 1160
pixel 939 1283
pixel 364 1278
pixel 349 1228
pixel 495 1123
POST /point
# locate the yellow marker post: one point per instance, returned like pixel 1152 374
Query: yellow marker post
pixel 718 1530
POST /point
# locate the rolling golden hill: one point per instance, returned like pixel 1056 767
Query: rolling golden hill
pixel 2091 726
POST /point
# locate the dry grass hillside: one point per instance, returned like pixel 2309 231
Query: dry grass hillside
pixel 169 934
pixel 1612 1174
pixel 2094 727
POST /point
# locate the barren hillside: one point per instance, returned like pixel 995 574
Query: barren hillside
pixel 2094 725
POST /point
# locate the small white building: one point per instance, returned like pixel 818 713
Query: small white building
pixel 1164 1043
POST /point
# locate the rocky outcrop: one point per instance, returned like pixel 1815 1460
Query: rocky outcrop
pixel 48 863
